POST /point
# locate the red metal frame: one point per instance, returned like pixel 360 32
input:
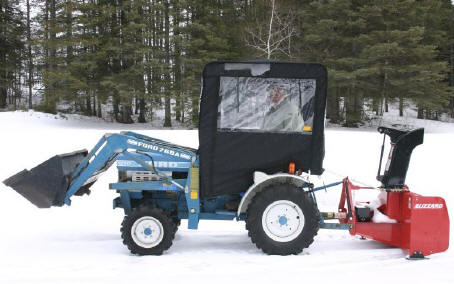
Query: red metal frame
pixel 422 225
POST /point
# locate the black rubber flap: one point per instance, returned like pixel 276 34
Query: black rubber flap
pixel 46 184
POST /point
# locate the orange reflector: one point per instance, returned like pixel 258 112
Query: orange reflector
pixel 291 168
pixel 194 194
pixel 307 128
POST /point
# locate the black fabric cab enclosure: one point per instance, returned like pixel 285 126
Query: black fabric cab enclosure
pixel 259 116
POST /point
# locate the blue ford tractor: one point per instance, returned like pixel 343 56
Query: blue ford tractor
pixel 261 134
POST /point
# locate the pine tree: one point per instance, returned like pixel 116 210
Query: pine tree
pixel 396 57
pixel 450 55
pixel 377 52
pixel 29 58
pixel 329 34
pixel 11 52
pixel 212 30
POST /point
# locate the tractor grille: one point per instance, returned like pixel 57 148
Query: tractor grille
pixel 144 176
pixel 139 176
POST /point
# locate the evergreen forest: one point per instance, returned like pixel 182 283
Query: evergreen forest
pixel 141 60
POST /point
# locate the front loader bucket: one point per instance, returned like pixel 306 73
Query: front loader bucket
pixel 46 184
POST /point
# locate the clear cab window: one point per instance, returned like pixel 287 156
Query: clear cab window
pixel 266 104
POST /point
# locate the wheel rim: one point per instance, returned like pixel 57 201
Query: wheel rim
pixel 283 221
pixel 147 232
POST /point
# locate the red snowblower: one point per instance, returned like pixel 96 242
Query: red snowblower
pixel 417 224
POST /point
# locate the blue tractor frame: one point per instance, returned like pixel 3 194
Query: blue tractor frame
pixel 178 195
pixel 181 196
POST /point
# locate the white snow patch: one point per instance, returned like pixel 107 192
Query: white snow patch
pixel 82 243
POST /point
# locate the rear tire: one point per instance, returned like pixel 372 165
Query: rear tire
pixel 147 231
pixel 282 219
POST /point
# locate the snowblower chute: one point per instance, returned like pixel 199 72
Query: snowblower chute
pixel 46 184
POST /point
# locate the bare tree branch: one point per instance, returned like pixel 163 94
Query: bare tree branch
pixel 277 38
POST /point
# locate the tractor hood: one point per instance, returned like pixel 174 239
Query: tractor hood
pixel 161 162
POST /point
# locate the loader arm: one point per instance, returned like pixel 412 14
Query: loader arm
pixel 55 181
pixel 105 153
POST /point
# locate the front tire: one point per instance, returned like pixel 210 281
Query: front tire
pixel 147 231
pixel 282 219
pixel 176 223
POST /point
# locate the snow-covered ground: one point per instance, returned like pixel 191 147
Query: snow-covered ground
pixel 82 243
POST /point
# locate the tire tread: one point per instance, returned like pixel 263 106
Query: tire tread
pixel 279 191
pixel 147 210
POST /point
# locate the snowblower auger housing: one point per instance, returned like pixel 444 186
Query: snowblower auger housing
pixel 261 135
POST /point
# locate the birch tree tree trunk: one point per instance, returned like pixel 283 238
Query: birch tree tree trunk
pixel 275 39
